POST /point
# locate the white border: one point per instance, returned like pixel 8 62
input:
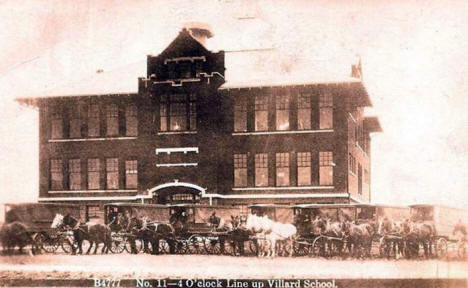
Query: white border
pixel 185 150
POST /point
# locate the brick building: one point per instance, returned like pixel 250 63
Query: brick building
pixel 190 133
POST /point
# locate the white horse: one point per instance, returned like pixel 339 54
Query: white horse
pixel 270 233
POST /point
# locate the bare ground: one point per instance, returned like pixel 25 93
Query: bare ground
pixel 61 266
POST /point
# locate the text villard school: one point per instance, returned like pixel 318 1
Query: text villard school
pixel 192 131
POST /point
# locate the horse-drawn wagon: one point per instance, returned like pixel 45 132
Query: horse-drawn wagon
pixel 203 228
pixel 319 228
pixel 388 221
pixel 126 221
pixel 441 222
pixel 37 218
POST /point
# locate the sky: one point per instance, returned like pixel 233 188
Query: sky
pixel 413 57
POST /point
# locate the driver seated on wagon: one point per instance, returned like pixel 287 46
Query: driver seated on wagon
pixel 214 220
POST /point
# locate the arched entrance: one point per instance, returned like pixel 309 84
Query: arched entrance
pixel 177 192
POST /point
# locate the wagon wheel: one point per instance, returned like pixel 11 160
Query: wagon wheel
pixel 118 244
pixel 301 247
pixel 212 245
pixel 195 244
pixel 49 245
pixel 138 245
pixel 181 246
pixel 319 246
pixel 441 247
pixel 253 246
pixel 163 246
pixel 66 245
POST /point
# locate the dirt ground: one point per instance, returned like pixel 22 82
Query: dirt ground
pixel 62 266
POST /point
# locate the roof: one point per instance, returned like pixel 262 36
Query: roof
pixel 120 204
pixel 245 68
pixel 315 205
pixel 372 124
pixel 32 204
pixel 273 67
pixel 269 205
pixel 203 206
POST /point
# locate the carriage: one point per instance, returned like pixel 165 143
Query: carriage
pixel 38 218
pixel 376 213
pixel 195 231
pixel 310 242
pixel 443 219
pixel 124 240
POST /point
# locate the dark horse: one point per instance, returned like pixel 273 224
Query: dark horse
pixel 238 235
pixel 16 234
pixel 359 238
pixel 93 232
pixel 415 234
pixel 150 233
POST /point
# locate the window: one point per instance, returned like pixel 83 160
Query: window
pixel 56 123
pixel 93 120
pixel 304 111
pixel 193 112
pixel 131 174
pixel 359 179
pixel 366 176
pixel 112 120
pixel 178 113
pixel 352 163
pixel 326 168
pixel 74 176
pixel 326 110
pixel 182 197
pixel 163 113
pixel 240 170
pixel 94 212
pixel 94 169
pixel 56 174
pixel 185 69
pixel 282 169
pixel 261 169
pixel 131 122
pixel 240 115
pixel 282 111
pixel 112 173
pixel 77 117
pixel 304 171
pixel 261 113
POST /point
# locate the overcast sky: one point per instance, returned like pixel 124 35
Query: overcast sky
pixel 413 55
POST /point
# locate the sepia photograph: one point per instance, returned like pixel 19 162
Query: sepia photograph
pixel 233 143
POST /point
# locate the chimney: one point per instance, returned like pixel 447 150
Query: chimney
pixel 200 31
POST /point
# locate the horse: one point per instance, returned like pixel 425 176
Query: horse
pixel 333 231
pixel 415 234
pixel 390 233
pixel 238 234
pixel 273 232
pixel 359 238
pixel 95 233
pixel 16 234
pixel 154 232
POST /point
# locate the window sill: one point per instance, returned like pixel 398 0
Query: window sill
pixel 92 139
pixel 92 191
pixel 283 132
pixel 176 132
pixel 177 165
pixel 282 188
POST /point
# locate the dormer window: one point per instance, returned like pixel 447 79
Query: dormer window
pixel 185 69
